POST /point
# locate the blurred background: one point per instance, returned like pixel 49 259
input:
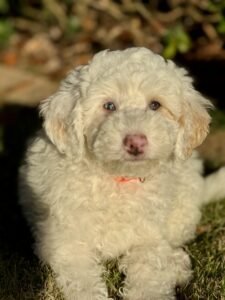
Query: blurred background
pixel 40 41
pixel 46 38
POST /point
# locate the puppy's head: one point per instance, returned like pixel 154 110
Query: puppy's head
pixel 127 107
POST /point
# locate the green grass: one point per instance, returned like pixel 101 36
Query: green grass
pixel 26 279
pixel 114 279
pixel 207 252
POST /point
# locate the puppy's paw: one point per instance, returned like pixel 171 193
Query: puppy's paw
pixel 182 266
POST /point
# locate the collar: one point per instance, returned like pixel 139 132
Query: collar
pixel 122 179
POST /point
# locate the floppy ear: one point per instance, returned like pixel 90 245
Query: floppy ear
pixel 63 117
pixel 193 124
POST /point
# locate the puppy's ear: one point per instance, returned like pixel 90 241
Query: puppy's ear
pixel 193 123
pixel 62 115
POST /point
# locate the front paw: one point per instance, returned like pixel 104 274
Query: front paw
pixel 182 265
pixel 155 275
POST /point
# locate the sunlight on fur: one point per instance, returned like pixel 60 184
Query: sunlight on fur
pixel 129 115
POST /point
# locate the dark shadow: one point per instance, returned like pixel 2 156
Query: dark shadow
pixel 17 124
pixel 209 78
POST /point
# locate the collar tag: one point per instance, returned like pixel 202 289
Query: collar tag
pixel 121 179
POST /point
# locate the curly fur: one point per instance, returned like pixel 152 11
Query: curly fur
pixel 80 215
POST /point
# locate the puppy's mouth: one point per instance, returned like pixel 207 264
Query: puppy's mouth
pixel 132 167
pixel 135 158
pixel 135 152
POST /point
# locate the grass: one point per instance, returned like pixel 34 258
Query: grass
pixel 207 252
pixel 26 279
pixel 113 279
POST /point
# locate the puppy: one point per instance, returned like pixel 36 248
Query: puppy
pixel 112 175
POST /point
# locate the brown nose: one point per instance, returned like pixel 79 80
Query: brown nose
pixel 135 144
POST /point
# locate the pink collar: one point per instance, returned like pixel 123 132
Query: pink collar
pixel 122 179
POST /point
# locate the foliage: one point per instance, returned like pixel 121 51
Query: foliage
pixel 6 30
pixel 176 40
pixel 168 27
pixel 4 7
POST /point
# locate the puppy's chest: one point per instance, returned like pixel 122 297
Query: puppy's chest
pixel 126 213
pixel 130 200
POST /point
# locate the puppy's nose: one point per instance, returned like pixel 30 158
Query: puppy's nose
pixel 135 144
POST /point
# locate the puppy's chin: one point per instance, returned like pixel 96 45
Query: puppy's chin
pixel 129 168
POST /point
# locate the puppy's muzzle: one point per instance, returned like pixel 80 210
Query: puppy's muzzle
pixel 135 144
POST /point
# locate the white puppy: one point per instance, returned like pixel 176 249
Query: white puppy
pixel 110 175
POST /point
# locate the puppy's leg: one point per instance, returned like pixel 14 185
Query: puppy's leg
pixel 185 211
pixel 182 222
pixel 153 273
pixel 78 272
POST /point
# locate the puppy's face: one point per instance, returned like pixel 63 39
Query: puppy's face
pixel 131 117
pixel 127 107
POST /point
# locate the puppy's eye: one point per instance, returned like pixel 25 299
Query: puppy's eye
pixel 109 106
pixel 154 105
